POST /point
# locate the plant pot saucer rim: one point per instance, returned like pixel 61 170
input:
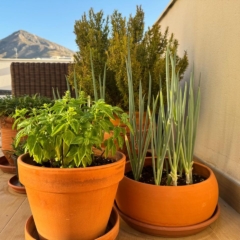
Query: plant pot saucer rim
pixel 12 183
pixel 5 166
pixel 114 219
pixel 163 230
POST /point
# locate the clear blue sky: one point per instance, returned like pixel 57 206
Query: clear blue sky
pixel 54 19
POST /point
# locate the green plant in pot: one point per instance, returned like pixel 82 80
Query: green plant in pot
pixel 160 206
pixel 69 183
pixel 8 105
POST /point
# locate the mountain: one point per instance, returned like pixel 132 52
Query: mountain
pixel 28 45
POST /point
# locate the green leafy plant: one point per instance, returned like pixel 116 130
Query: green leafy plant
pixel 18 149
pixel 64 134
pixel 9 104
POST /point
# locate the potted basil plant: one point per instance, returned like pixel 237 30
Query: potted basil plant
pixel 70 172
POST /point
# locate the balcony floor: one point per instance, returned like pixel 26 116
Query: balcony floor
pixel 14 211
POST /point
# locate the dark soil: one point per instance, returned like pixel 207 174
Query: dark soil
pixel 96 161
pixel 147 177
pixel 100 160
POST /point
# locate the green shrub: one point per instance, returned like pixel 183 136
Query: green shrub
pixel 108 40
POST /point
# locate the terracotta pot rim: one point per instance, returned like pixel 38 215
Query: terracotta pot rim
pixel 85 169
pixel 6 167
pixel 6 118
pixel 211 174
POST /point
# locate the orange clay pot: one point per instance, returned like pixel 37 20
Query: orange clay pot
pixel 116 122
pixel 7 134
pixel 73 203
pixel 169 205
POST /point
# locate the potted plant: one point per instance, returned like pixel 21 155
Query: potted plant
pixel 159 206
pixel 69 183
pixel 18 150
pixel 8 105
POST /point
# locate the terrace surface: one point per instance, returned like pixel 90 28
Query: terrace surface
pixel 15 210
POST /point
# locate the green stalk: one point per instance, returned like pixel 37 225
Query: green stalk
pixel 187 148
pixel 176 103
pixel 139 139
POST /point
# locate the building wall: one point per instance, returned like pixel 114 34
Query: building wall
pixel 209 31
pixel 5 75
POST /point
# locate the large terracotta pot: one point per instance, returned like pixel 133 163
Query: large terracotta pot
pixel 72 203
pixel 7 135
pixel 169 206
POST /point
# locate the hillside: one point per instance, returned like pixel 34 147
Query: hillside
pixel 28 45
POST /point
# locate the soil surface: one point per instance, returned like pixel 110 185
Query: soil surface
pixel 96 161
pixel 100 160
pixel 147 177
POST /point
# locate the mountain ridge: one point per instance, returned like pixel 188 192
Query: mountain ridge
pixel 22 44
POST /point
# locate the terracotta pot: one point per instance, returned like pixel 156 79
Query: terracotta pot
pixel 110 234
pixel 7 135
pixel 5 167
pixel 167 206
pixel 72 203
pixel 116 123
pixel 124 147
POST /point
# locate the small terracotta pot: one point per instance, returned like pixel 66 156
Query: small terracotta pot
pixel 124 147
pixel 169 205
pixel 116 122
pixel 5 167
pixel 72 203
pixel 7 135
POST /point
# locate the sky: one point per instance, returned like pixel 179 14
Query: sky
pixel 54 19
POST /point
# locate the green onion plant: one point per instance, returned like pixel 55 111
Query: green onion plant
pixel 175 132
pixel 138 140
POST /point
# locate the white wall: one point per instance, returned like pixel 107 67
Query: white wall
pixel 210 33
pixel 5 75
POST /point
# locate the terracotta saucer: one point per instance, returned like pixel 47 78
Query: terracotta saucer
pixel 16 185
pixel 111 232
pixel 5 167
pixel 169 231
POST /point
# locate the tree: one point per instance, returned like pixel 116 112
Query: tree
pixel 109 39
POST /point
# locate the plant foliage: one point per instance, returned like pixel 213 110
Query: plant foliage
pixel 108 39
pixel 64 134
pixel 9 104
pixel 175 132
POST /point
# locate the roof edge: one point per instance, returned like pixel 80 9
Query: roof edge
pixel 165 11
